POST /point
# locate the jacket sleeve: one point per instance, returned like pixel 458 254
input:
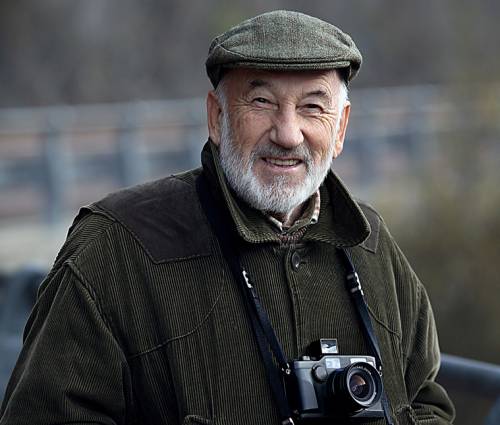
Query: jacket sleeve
pixel 71 369
pixel 429 402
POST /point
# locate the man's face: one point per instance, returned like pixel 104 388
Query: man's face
pixel 277 133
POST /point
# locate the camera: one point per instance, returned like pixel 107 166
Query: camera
pixel 342 387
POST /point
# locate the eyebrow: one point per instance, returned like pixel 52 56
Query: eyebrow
pixel 256 83
pixel 259 83
pixel 320 93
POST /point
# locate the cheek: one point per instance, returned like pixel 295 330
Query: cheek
pixel 321 134
pixel 249 131
pixel 320 143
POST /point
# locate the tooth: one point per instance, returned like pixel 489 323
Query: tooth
pixel 283 162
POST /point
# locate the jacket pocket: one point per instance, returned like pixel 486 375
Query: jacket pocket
pixel 195 420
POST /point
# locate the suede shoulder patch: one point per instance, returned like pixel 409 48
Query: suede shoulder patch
pixel 164 216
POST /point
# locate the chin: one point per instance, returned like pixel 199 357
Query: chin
pixel 277 197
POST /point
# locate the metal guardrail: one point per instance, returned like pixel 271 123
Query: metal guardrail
pixel 63 151
pixel 473 378
pixel 58 158
pixel 466 374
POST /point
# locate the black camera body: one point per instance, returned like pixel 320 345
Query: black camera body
pixel 339 387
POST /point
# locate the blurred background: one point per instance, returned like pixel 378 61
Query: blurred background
pixel 101 94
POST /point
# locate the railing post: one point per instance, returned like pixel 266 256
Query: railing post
pixel 130 159
pixel 55 174
pixel 196 136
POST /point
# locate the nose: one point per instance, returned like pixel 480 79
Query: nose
pixel 286 129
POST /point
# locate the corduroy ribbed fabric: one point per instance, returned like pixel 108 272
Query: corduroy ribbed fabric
pixel 140 321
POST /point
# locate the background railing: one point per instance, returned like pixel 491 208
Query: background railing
pixel 473 379
pixel 53 159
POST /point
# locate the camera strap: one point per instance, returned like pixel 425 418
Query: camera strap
pixel 265 336
pixel 353 286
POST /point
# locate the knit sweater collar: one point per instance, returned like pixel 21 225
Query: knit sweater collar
pixel 341 222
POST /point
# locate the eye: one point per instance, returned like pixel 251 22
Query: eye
pixel 263 103
pixel 261 100
pixel 312 108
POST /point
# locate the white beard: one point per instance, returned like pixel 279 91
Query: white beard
pixel 281 196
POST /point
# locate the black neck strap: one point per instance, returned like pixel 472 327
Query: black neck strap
pixel 353 286
pixel 267 342
pixel 220 220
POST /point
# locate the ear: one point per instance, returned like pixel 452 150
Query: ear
pixel 340 136
pixel 214 112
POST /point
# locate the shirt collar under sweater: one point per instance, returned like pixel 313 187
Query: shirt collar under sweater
pixel 310 214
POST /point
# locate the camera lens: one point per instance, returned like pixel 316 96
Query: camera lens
pixel 359 385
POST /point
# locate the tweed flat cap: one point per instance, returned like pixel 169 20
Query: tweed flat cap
pixel 283 40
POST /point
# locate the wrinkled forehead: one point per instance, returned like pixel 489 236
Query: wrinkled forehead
pixel 237 82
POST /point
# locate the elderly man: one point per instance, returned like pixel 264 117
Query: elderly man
pixel 230 294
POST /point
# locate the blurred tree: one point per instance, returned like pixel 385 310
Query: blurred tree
pixel 453 239
pixel 112 50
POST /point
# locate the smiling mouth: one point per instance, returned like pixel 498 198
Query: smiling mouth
pixel 283 162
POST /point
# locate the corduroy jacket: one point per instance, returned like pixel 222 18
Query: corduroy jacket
pixel 140 321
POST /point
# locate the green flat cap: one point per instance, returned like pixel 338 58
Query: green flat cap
pixel 283 40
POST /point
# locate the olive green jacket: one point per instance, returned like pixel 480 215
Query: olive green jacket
pixel 140 321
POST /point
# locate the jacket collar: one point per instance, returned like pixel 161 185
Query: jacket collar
pixel 341 222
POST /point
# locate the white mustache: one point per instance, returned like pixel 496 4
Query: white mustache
pixel 270 150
